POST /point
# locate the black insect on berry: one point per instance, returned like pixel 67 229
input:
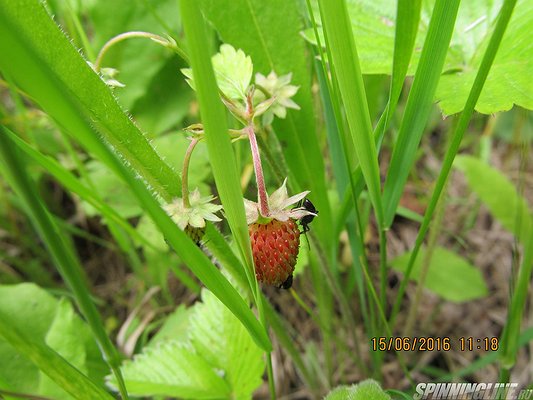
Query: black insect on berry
pixel 287 284
pixel 306 220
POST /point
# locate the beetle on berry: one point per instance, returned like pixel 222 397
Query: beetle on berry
pixel 306 220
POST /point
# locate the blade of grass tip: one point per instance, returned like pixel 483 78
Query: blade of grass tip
pixel 457 136
pixel 344 56
pixel 52 364
pixel 63 255
pixel 407 20
pixel 419 103
pixel 219 147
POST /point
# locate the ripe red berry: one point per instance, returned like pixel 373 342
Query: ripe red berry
pixel 275 248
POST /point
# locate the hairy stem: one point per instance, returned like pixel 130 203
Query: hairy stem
pixel 261 189
pixel 185 173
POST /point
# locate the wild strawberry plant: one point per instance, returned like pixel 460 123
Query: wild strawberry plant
pixel 285 101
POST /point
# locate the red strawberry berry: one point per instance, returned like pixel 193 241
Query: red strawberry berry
pixel 275 248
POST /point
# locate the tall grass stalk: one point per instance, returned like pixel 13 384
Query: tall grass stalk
pixel 220 151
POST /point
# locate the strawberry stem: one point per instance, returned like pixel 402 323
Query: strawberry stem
pixel 261 189
pixel 256 156
pixel 185 173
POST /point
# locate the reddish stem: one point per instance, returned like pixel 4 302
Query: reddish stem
pixel 261 189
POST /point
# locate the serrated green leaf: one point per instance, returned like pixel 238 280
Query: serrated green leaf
pixel 366 390
pixel 218 337
pixel 38 312
pixel 173 369
pixel 499 195
pixel 174 328
pixel 216 359
pixel 450 276
pixel 233 72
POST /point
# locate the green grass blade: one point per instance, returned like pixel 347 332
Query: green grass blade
pixel 51 363
pixel 419 103
pixel 221 154
pixel 407 19
pixel 63 255
pixel 341 42
pixel 215 125
pixel 510 336
pixel 73 184
pixel 43 62
pixel 457 137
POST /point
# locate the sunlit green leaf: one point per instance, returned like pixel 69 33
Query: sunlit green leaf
pixel 499 194
pixel 449 275
pixel 508 82
pixel 233 72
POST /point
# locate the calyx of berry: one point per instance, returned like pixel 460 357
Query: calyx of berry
pixel 200 210
pixel 279 204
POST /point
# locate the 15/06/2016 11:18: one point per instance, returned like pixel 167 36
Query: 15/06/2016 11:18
pixel 422 343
